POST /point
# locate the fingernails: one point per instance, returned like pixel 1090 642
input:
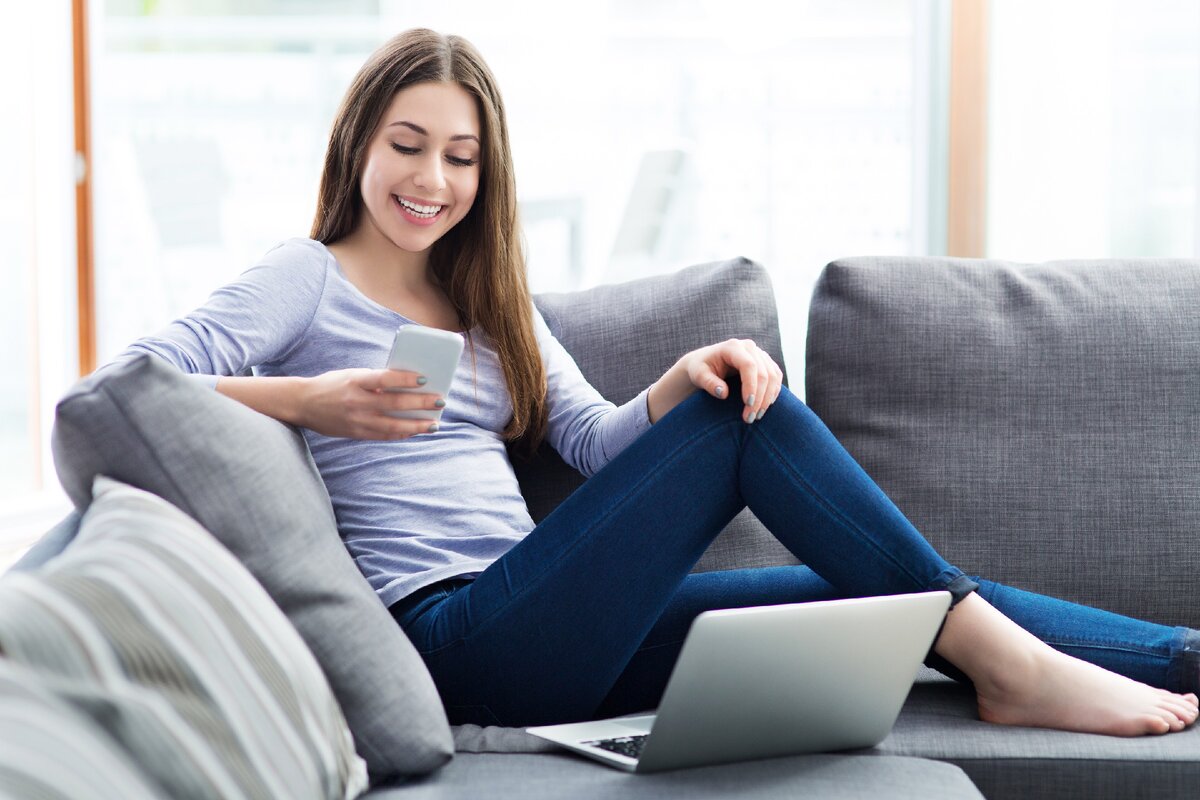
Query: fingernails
pixel 750 400
pixel 750 419
pixel 439 403
pixel 720 392
pixel 421 380
pixel 432 428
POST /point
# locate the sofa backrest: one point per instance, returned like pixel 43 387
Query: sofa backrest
pixel 625 336
pixel 1039 423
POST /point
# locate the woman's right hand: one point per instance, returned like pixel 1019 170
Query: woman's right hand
pixel 348 403
pixel 354 404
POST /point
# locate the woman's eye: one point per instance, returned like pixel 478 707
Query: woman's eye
pixel 408 151
pixel 462 162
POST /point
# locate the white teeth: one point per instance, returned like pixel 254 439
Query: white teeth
pixel 420 211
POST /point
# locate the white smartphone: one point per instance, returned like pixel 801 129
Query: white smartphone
pixel 431 352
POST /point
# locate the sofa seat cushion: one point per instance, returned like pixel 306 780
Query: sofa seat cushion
pixel 152 630
pixel 250 481
pixel 940 721
pixel 553 777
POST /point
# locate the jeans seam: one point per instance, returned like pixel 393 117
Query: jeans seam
pixel 837 513
pixel 1097 644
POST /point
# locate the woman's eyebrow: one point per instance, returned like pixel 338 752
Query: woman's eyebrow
pixel 418 129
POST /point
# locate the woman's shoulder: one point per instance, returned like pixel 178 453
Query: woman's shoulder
pixel 298 264
pixel 299 253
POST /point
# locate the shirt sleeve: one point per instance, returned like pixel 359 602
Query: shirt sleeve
pixel 256 319
pixel 586 430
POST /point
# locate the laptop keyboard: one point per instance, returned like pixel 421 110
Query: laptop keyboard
pixel 624 745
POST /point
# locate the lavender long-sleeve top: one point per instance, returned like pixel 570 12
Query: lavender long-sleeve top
pixel 417 511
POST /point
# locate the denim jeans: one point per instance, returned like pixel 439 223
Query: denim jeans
pixel 585 616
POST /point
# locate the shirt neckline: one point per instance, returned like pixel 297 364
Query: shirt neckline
pixel 341 274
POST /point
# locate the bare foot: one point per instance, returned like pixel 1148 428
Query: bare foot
pixel 1058 691
pixel 1020 680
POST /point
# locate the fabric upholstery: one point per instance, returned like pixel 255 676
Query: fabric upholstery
pixel 156 632
pixel 50 544
pixel 1039 423
pixel 940 721
pixel 625 336
pixel 50 750
pixel 552 777
pixel 250 481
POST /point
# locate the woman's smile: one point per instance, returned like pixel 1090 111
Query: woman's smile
pixel 418 212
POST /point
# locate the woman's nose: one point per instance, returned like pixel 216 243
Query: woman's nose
pixel 430 175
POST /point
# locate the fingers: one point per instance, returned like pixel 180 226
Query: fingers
pixel 389 379
pixel 705 378
pixel 762 379
pixel 382 409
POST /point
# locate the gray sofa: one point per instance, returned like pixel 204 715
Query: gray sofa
pixel 1036 422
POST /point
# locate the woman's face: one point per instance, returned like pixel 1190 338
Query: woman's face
pixel 422 168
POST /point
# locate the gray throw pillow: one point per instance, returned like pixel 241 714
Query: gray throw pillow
pixel 250 481
pixel 151 628
pixel 1039 423
pixel 625 336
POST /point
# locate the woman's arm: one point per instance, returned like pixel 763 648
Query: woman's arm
pixel 707 368
pixel 350 403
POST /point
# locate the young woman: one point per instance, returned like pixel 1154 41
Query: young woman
pixel 584 614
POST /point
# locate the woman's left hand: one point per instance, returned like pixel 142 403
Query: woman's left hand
pixel 709 367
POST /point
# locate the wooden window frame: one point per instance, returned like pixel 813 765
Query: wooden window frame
pixel 85 275
pixel 966 206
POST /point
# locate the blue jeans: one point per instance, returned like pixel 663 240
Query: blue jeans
pixel 585 617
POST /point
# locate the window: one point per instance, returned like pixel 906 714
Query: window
pixel 647 135
pixel 1094 145
pixel 37 351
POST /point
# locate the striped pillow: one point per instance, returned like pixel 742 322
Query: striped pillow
pixel 47 749
pixel 162 637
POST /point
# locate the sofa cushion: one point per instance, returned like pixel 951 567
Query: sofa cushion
pixel 250 481
pixel 1040 424
pixel 551 777
pixel 154 630
pixel 50 544
pixel 48 749
pixel 625 336
pixel 940 721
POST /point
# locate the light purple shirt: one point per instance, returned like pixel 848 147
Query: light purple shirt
pixel 417 511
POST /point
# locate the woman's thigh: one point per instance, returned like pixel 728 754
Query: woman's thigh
pixel 542 634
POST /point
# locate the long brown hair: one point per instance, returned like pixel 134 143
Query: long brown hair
pixel 479 263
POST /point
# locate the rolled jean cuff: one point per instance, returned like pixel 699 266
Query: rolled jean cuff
pixel 1184 673
pixel 956 583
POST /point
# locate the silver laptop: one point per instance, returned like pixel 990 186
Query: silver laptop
pixel 773 681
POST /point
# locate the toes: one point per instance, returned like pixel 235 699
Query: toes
pixel 1159 725
pixel 1183 712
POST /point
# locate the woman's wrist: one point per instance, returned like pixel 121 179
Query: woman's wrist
pixel 281 398
pixel 669 391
